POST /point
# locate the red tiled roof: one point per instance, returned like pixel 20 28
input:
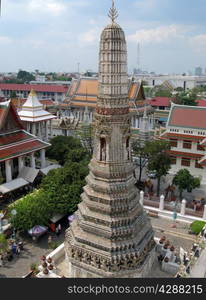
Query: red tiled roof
pixel 21 149
pixel 187 116
pixel 160 101
pixel 185 154
pixel 18 143
pixel 182 136
pixel 201 102
pixel 14 137
pixel 35 87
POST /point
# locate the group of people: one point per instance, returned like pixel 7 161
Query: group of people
pixel 57 229
pixel 14 248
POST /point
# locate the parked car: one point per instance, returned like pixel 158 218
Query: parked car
pixel 152 174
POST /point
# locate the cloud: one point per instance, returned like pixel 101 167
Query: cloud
pixel 198 42
pixel 158 34
pixel 53 7
pixel 4 40
pixel 89 37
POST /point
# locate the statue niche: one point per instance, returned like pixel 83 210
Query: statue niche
pixel 128 148
pixel 103 155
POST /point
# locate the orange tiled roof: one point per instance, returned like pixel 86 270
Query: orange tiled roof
pixel 86 89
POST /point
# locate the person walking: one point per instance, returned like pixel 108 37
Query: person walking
pixel 1 260
pixel 59 228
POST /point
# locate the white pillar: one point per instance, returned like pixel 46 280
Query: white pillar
pixel 8 170
pixel 46 130
pixel 20 163
pixel 50 125
pixel 33 128
pixel 33 163
pixel 183 207
pixel 161 205
pixel 39 130
pixel 204 214
pixel 141 199
pixel 43 160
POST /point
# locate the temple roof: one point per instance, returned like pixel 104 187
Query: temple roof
pixel 37 87
pixel 9 117
pixel 18 143
pixel 83 92
pixel 32 110
pixel 187 116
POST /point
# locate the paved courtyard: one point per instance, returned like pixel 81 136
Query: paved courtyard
pixel 20 265
pixel 32 252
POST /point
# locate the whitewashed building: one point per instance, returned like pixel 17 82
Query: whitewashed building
pixel 35 119
pixel 186 131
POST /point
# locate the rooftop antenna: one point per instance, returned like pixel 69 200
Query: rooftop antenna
pixel 113 13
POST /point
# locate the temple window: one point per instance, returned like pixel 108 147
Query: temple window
pixel 197 165
pixel 173 142
pixel 185 162
pixel 102 149
pixel 187 144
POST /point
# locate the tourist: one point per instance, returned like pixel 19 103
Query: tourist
pixel 59 229
pixel 1 260
pixel 49 240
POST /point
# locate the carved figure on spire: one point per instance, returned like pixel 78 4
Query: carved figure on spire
pixel 113 13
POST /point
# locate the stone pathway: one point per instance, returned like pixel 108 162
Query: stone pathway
pixel 32 252
pixel 199 269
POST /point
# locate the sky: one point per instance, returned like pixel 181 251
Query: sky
pixel 56 35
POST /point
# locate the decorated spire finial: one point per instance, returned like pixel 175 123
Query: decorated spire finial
pixel 113 13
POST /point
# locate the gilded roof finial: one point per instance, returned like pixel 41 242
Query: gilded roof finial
pixel 113 13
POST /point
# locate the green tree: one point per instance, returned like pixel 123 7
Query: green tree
pixel 59 192
pixel 163 93
pixel 60 147
pixel 25 76
pixel 3 243
pixel 186 99
pixel 185 181
pixel 141 155
pixel 158 159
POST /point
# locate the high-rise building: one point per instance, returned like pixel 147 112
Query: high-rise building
pixel 111 235
pixel 198 71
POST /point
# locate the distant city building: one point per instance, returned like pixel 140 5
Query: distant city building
pixel 198 71
pixel 44 91
pixel 186 82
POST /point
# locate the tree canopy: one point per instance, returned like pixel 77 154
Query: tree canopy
pixel 61 146
pixel 59 191
pixel 185 181
pixel 158 159
pixel 25 76
pixel 183 98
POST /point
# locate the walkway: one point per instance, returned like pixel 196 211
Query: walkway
pixel 199 269
pixel 32 252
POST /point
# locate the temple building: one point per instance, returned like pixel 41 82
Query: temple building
pixel 111 235
pixel 186 131
pixel 18 148
pixel 35 119
pixel 83 93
